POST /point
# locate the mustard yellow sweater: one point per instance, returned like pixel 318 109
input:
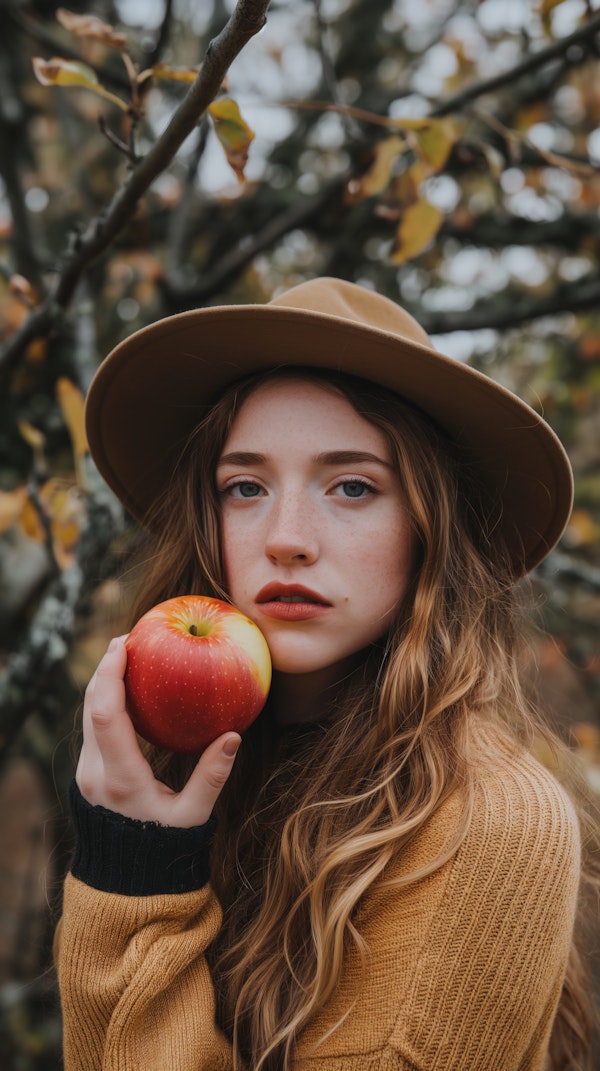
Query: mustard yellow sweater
pixel 465 966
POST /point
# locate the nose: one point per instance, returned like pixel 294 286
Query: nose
pixel 292 534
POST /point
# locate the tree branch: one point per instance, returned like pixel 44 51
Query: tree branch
pixel 497 231
pixel 236 259
pixel 247 19
pixel 24 679
pixel 583 36
pixel 516 309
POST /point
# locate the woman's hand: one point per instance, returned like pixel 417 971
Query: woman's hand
pixel 113 773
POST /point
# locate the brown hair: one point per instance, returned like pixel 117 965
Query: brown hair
pixel 300 841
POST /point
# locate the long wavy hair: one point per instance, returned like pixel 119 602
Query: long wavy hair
pixel 312 816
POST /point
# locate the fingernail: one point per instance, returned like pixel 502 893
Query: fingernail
pixel 230 746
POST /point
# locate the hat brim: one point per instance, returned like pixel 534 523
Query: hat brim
pixel 155 387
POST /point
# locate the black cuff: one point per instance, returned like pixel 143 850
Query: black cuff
pixel 123 855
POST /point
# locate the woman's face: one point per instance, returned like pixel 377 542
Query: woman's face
pixel 317 544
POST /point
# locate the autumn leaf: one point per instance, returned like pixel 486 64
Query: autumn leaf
pixel 582 529
pixel 62 507
pixel 63 72
pixel 420 223
pixel 32 435
pixel 11 507
pixel 377 176
pixel 71 402
pixel 544 7
pixel 233 133
pixel 92 27
pixel 172 74
pixel 403 190
pixel 435 142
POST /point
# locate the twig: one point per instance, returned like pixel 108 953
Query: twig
pixel 328 70
pixel 118 143
pixel 163 37
pixel 44 520
pixel 180 233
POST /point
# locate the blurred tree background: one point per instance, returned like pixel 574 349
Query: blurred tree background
pixel 446 153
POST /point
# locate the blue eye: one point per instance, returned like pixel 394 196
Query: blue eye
pixel 244 489
pixel 355 488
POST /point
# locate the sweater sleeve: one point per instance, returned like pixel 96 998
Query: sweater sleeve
pixel 136 991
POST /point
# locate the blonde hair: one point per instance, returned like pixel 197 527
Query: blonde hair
pixel 311 817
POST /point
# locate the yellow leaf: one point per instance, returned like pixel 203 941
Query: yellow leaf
pixel 11 507
pixel 172 74
pixel 402 191
pixel 545 6
pixel 62 72
pixel 411 124
pixel 435 142
pixel 33 436
pixel 582 529
pixel 234 134
pixel 71 403
pixel 420 223
pixel 62 508
pixel 377 176
pixel 91 26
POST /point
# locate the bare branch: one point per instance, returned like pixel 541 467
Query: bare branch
pixel 180 233
pixel 517 308
pixel 584 37
pixel 247 19
pixel 162 37
pixel 236 259
pixel 498 230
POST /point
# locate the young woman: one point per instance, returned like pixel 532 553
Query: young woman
pixel 386 879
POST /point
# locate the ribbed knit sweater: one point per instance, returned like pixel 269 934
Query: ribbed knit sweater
pixel 464 969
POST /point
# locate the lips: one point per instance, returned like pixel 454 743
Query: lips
pixel 290 593
pixel 291 602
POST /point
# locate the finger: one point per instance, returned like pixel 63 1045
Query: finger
pixel 110 745
pixel 196 801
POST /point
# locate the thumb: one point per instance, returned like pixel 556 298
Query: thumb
pixel 210 774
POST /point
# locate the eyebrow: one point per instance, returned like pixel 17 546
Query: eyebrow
pixel 328 457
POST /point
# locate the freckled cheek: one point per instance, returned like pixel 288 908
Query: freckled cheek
pixel 232 549
pixel 387 561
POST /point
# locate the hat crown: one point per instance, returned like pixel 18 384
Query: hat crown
pixel 347 301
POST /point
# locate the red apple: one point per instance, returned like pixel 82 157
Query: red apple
pixel 196 668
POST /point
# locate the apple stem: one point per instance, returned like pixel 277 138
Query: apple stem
pixel 193 630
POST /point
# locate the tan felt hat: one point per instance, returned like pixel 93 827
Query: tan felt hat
pixel 154 388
